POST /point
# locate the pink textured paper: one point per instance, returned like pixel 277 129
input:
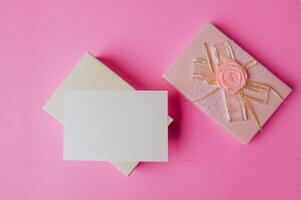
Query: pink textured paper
pixel 179 74
pixel 41 42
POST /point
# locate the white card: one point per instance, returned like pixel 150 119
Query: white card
pixel 90 74
pixel 115 125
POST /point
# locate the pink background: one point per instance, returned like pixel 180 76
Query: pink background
pixel 42 40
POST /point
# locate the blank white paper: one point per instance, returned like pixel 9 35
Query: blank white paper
pixel 116 126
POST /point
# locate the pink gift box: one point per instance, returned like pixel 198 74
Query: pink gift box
pixel 225 82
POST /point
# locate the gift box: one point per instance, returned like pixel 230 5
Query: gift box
pixel 89 74
pixel 228 84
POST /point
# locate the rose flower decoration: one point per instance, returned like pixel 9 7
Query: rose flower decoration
pixel 232 77
pixel 224 73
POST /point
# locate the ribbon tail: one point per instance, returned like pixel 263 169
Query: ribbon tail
pixel 201 70
pixel 229 50
pixel 250 64
pixel 227 106
pixel 200 61
pixel 243 107
pixel 208 58
pixel 212 92
pixel 257 100
pixel 250 108
pixel 262 86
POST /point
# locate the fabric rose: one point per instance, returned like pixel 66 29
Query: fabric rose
pixel 231 77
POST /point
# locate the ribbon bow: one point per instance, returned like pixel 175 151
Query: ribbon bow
pixel 221 70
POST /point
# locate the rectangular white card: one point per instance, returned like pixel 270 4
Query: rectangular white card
pixel 90 74
pixel 116 125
